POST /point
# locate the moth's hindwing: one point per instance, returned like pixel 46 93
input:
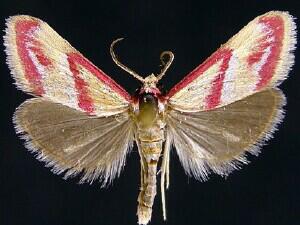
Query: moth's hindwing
pixel 258 57
pixel 72 142
pixel 217 140
pixel 44 64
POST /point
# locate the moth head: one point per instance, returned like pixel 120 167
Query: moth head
pixel 149 82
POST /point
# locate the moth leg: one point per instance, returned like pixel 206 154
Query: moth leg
pixel 143 169
pixel 165 175
pixel 168 169
pixel 142 161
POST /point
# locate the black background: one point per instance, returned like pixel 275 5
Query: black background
pixel 263 192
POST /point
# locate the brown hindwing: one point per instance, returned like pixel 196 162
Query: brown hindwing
pixel 71 141
pixel 217 140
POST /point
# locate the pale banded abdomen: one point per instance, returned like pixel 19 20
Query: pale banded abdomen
pixel 150 147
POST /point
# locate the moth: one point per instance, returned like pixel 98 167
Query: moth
pixel 81 122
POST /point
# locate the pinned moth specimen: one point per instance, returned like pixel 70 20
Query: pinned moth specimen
pixel 80 121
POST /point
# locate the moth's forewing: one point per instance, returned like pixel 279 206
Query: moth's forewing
pixel 44 64
pixel 258 57
pixel 217 140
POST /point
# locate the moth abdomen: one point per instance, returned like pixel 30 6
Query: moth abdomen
pixel 150 154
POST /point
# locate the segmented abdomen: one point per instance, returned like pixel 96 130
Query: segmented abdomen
pixel 150 148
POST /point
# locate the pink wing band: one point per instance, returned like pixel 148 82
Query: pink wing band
pixel 85 102
pixel 274 28
pixel 80 60
pixel 24 30
pixel 213 98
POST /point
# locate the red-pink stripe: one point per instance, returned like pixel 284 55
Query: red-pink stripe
pixel 22 28
pixel 213 99
pixel 276 24
pixel 214 58
pixel 79 59
pixel 85 101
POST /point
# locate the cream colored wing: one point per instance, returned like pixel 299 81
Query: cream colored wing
pixel 256 58
pixel 72 142
pixel 44 64
pixel 217 140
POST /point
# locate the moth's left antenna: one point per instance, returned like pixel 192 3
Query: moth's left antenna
pixel 121 65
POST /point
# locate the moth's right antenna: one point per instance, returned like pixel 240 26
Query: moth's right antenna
pixel 121 65
pixel 166 65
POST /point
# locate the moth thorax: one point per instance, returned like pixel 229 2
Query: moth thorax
pixel 148 109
